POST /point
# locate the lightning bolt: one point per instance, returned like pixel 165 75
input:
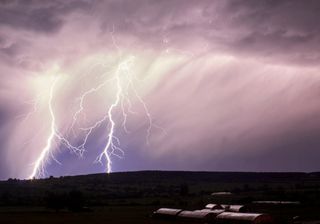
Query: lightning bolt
pixel 38 168
pixel 46 153
pixel 111 147
pixel 123 80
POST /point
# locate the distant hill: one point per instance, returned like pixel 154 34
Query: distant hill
pixel 163 187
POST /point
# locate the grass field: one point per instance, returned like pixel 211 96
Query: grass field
pixel 132 197
pixel 125 215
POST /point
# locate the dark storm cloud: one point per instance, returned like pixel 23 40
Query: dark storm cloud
pixel 234 83
pixel 8 49
pixel 35 15
pixel 288 29
pixel 273 30
pixel 21 22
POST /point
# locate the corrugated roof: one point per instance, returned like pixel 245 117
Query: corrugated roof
pixel 213 206
pixel 224 193
pixel 234 208
pixel 168 211
pixel 239 216
pixel 215 211
pixel 197 214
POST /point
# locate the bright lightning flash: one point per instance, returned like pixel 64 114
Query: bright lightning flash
pixel 123 80
pixel 38 168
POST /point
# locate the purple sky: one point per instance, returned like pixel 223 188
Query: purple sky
pixel 229 85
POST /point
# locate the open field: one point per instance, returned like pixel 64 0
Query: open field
pixel 132 197
pixel 125 215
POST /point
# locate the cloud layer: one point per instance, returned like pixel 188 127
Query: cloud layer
pixel 234 84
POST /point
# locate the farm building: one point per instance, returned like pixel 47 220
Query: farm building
pixel 235 208
pixel 277 202
pixel 166 213
pixel 212 212
pixel 221 194
pixel 213 206
pixel 243 218
pixel 197 216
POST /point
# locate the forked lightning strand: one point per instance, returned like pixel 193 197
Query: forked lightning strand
pixel 110 146
pixel 38 168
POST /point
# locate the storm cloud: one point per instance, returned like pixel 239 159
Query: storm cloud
pixel 233 84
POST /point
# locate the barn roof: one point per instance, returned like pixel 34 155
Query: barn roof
pixel 240 216
pixel 213 206
pixel 234 208
pixel 168 211
pixel 223 193
pixel 197 214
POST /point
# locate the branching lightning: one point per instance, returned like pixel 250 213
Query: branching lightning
pixel 123 80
